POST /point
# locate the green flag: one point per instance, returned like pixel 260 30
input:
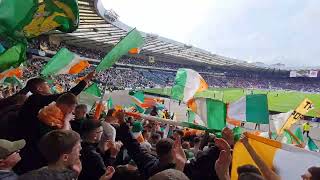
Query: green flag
pixel 237 132
pixel 132 40
pixel 250 108
pixel 298 134
pixel 90 95
pixel 94 90
pixel 287 138
pixel 109 103
pixel 13 56
pixel 311 146
pixel 2 49
pixel 191 116
pixel 64 62
pixel 13 81
pixel 30 18
pixel 211 112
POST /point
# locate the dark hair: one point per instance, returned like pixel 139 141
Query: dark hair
pixel 164 146
pixel 250 176
pixel 248 169
pixel 122 173
pixel 67 98
pixel 88 126
pixel 179 131
pixel 155 136
pixel 32 84
pixel 56 143
pixel 196 140
pixel 110 112
pixel 81 106
pixel 315 172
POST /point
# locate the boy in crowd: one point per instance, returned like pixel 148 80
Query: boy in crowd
pixel 94 159
pixel 61 148
pixel 80 117
pixel 58 114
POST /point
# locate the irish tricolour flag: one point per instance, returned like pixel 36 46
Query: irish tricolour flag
pixel 211 112
pixel 90 96
pixel 288 161
pixel 250 108
pixel 64 62
pixel 187 83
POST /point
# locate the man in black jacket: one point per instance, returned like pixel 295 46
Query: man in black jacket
pixel 148 165
pixel 29 124
pixel 94 160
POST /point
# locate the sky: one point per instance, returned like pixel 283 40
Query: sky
pixel 268 31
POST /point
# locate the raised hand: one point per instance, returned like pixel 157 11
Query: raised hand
pixel 178 154
pixel 223 162
pixel 108 174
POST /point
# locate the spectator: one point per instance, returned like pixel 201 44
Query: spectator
pixel 28 118
pixel 9 157
pixel 61 149
pixel 58 115
pixel 94 160
pixel 80 116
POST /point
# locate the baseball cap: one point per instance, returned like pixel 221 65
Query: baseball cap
pixel 8 147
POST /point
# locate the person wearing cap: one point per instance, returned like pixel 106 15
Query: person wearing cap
pixel 9 157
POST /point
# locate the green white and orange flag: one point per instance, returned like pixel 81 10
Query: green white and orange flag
pixel 17 72
pixel 211 112
pixel 132 40
pixel 90 96
pixel 250 108
pixel 289 161
pixel 64 62
pixel 187 83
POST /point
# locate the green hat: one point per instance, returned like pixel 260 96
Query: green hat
pixel 137 127
pixel 8 147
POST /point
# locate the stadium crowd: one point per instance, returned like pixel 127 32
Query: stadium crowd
pixel 133 78
pixel 49 136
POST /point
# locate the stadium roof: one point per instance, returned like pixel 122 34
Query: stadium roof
pixel 100 29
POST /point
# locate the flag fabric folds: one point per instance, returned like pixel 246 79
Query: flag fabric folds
pixel 187 83
pixel 109 103
pixel 13 80
pixel 90 96
pixel 278 120
pixel 298 134
pixel 132 40
pixel 17 72
pixel 311 145
pixel 2 49
pixel 289 161
pixel 64 62
pixel 12 57
pixel 30 18
pixel 296 115
pixel 250 108
pixel 211 112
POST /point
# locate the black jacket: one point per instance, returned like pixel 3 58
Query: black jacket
pixel 148 165
pixel 93 162
pixel 48 174
pixel 29 128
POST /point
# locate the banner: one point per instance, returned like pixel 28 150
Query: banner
pixel 304 73
pixel 296 115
